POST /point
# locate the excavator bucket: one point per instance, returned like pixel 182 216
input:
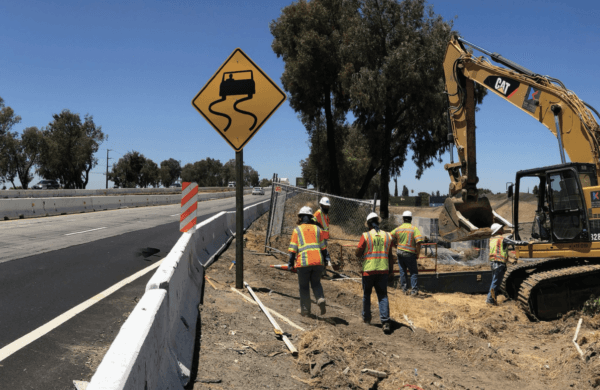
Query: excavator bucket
pixel 463 221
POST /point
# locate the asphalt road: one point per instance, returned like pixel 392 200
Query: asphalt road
pixel 50 265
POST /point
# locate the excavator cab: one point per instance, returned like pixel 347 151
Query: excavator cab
pixel 561 214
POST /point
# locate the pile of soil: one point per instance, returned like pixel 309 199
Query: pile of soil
pixel 449 341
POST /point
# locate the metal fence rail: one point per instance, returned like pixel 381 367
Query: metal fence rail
pixel 346 216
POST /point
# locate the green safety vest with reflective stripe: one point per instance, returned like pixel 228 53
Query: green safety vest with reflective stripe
pixel 407 236
pixel 497 250
pixel 307 242
pixel 375 257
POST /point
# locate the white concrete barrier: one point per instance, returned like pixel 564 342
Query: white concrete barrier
pixel 102 192
pixel 139 358
pixel 154 348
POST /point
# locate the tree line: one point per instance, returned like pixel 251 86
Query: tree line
pixel 382 61
pixel 63 151
pixel 135 170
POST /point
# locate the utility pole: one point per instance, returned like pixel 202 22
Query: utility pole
pixel 107 150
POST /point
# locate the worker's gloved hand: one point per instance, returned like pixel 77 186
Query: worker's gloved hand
pixel 291 261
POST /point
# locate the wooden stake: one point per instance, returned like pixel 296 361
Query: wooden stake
pixel 211 283
pixel 281 316
pixel 575 338
pixel 287 341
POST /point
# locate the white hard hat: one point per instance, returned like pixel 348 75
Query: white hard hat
pixel 495 227
pixel 373 216
pixel 305 211
pixel 407 214
pixel 325 201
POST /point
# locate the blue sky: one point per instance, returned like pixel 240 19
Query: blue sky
pixel 136 65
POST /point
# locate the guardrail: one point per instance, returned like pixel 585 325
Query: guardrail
pixel 44 207
pixel 154 348
pixel 107 192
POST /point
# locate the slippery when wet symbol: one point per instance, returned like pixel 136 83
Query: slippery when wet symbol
pixel 238 99
pixel 234 87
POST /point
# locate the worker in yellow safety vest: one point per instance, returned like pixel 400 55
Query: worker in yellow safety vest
pixel 375 250
pixel 498 258
pixel 408 238
pixel 308 254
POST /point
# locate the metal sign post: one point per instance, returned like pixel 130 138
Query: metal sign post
pixel 239 219
pixel 237 100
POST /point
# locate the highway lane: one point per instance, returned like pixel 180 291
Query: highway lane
pixel 49 281
pixel 27 237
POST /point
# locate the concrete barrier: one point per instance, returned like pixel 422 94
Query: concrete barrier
pixel 154 348
pixel 102 192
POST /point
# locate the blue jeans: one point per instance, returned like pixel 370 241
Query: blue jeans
pixel 309 277
pixel 380 282
pixel 407 260
pixel 498 270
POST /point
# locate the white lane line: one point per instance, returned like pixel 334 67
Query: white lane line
pixel 85 231
pixel 174 215
pixel 61 319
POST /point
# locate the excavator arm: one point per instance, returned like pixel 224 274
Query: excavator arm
pixel 544 98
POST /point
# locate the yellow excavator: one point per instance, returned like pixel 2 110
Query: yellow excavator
pixel 565 233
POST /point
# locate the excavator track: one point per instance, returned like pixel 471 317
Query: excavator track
pixel 546 295
pixel 515 275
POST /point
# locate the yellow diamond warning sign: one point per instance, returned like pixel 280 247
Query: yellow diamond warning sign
pixel 238 99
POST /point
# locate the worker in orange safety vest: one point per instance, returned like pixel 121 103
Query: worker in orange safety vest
pixel 308 254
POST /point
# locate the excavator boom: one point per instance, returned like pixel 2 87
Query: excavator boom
pixel 542 97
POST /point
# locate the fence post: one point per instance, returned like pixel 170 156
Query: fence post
pixel 374 202
pixel 268 233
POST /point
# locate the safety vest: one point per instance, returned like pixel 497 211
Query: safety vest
pixel 307 242
pixel 375 257
pixel 497 250
pixel 407 236
pixel 323 220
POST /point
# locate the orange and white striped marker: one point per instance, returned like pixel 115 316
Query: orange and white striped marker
pixel 189 205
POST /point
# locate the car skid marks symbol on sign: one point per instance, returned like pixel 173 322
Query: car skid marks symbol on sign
pixel 234 87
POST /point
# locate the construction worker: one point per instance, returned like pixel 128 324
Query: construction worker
pixel 375 250
pixel 308 253
pixel 408 238
pixel 322 218
pixel 498 258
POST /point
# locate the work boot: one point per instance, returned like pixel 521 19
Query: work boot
pixel 303 313
pixel 414 293
pixel 387 328
pixel 405 292
pixel 367 321
pixel 321 303
pixel 491 303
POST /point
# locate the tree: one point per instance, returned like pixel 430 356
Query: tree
pixel 404 191
pixel 412 191
pixel 396 186
pixel 67 153
pixel 265 182
pixel 20 154
pixel 127 171
pixel 170 170
pixel 250 176
pixel 437 193
pixel 536 190
pixel 207 173
pixel 309 37
pixel 149 174
pixel 7 120
pixel 397 93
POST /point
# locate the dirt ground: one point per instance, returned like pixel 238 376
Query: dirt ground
pixel 457 343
